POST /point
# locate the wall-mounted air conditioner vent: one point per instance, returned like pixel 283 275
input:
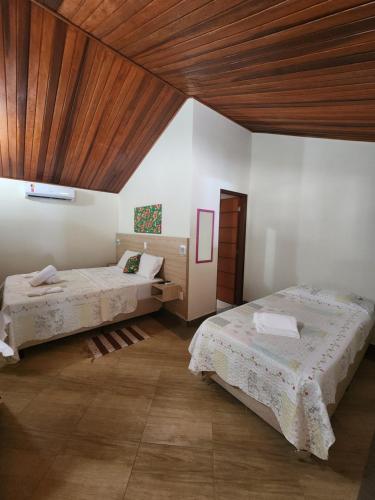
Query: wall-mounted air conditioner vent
pixel 34 190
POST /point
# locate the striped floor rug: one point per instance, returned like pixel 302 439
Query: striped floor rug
pixel 113 340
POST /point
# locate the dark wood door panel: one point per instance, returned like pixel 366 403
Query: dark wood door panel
pixel 229 205
pixel 225 294
pixel 226 264
pixel 228 250
pixel 73 112
pixel 252 61
pixel 228 280
pixel 229 220
pixel 228 234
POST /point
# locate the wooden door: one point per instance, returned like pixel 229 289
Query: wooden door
pixel 228 249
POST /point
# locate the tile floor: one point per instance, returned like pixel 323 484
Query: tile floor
pixel 136 425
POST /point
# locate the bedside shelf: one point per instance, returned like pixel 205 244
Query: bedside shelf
pixel 165 292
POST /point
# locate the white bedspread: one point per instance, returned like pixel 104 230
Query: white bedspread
pixel 296 378
pixel 89 297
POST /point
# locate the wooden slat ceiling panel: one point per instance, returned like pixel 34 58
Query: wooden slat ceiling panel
pixel 72 111
pixel 303 67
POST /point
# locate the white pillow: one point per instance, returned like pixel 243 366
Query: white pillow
pixel 149 266
pixel 125 256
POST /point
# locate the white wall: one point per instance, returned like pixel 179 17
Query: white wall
pixel 221 160
pixel 198 154
pixel 165 177
pixel 311 215
pixel 34 233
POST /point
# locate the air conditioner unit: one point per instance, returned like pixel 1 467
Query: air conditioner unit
pixel 47 191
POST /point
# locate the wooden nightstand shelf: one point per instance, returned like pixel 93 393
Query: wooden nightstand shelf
pixel 166 292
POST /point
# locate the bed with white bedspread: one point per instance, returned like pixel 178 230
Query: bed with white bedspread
pixel 296 378
pixel 89 298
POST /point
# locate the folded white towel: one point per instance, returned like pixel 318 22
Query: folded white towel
pixel 42 276
pixel 4 322
pixel 5 349
pixel 276 324
pixel 45 291
pixel 53 280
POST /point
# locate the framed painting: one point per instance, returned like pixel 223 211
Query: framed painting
pixel 148 219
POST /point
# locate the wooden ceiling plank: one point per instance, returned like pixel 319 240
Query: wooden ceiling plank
pixel 159 23
pixel 10 45
pixel 143 92
pixel 277 45
pixel 261 23
pixel 36 30
pixel 88 77
pixel 361 92
pixel 83 126
pixel 149 16
pixel 105 24
pixel 67 8
pixel 75 44
pixel 85 10
pixel 55 63
pixel 339 76
pixel 337 57
pixel 101 102
pixel 22 62
pixel 110 124
pixel 186 29
pixel 5 162
pixel 44 74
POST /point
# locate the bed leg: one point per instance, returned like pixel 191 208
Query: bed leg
pixel 304 456
pixel 206 377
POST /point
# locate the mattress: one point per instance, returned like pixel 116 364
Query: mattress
pixel 89 298
pixel 296 378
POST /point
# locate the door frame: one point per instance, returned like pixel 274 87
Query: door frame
pixel 241 245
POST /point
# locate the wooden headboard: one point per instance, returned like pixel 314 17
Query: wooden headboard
pixel 175 266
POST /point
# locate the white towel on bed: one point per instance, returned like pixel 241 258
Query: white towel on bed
pixel 5 349
pixel 276 324
pixel 47 275
pixel 45 291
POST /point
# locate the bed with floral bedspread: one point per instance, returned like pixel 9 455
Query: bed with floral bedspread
pixel 89 297
pixel 296 378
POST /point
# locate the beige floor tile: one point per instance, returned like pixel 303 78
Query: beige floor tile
pixel 88 371
pixel 134 404
pixel 195 410
pixel 95 449
pixel 51 417
pixel 326 484
pixel 130 380
pixel 21 470
pixel 39 442
pixel 143 486
pixel 178 432
pixel 86 469
pixel 226 490
pixel 181 463
pixel 110 424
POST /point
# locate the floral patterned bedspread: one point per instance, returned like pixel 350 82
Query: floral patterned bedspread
pixel 89 297
pixel 296 378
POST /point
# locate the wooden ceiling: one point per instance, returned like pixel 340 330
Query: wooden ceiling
pixel 72 111
pixel 87 86
pixel 301 67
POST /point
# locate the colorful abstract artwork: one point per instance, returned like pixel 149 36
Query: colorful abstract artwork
pixel 148 219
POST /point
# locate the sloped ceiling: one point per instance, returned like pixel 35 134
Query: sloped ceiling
pixel 72 111
pixel 87 86
pixel 301 67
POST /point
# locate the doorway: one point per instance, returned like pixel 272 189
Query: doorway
pixel 231 251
